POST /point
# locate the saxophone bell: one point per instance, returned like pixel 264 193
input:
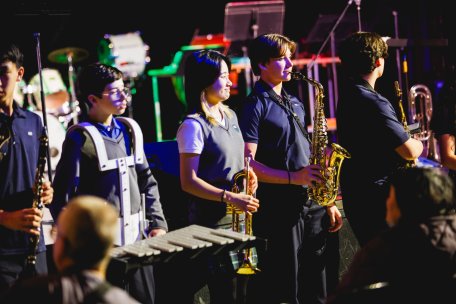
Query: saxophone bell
pixel 403 163
pixel 324 193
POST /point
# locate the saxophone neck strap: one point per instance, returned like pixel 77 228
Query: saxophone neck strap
pixel 285 103
pixel 303 130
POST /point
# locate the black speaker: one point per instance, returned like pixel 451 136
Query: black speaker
pixel 341 247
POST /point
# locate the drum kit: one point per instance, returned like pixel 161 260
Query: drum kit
pixel 127 52
pixel 61 103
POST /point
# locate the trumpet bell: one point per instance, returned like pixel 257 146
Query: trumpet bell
pixel 247 268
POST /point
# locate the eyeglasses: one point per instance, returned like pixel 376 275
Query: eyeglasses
pixel 117 93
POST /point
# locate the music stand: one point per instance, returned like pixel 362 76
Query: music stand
pixel 324 23
pixel 338 28
pixel 246 20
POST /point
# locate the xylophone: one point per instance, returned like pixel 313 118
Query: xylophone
pixel 184 243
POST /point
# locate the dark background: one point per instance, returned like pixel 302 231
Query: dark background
pixel 83 24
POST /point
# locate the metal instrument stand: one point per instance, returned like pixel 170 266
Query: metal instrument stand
pixel 74 103
pixel 70 55
pixel 321 26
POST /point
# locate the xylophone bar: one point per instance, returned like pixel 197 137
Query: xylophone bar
pixel 187 242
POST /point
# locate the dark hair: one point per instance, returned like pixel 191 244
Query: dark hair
pixel 268 46
pixel 202 68
pixel 360 50
pixel 10 52
pixel 423 192
pixel 93 79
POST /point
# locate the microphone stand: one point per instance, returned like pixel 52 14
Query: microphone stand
pixel 43 104
pixel 398 52
pixel 358 8
pixel 74 104
pixel 333 51
pixel 131 85
pixel 331 32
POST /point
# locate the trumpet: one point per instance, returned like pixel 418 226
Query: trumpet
pixel 241 184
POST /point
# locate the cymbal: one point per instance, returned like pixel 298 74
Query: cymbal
pixel 61 55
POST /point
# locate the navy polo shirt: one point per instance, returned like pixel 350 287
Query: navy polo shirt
pixel 18 163
pixel 270 125
pixel 114 131
pixel 361 110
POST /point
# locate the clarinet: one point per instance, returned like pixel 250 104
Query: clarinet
pixel 43 159
pixel 37 201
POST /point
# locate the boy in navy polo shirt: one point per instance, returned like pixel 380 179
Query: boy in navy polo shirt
pixel 272 123
pixel 20 131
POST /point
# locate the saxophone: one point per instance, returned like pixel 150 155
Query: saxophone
pixel 37 201
pixel 324 193
pixel 404 163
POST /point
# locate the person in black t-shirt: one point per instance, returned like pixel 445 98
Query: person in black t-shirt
pixel 364 176
pixel 296 228
pixel 20 132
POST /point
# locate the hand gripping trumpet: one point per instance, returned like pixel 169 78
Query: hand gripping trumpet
pixel 324 193
pixel 241 184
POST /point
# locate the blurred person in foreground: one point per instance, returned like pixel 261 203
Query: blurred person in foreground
pixel 364 178
pixel 414 259
pixel 85 234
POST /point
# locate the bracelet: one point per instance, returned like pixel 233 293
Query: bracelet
pixel 289 177
pixel 222 198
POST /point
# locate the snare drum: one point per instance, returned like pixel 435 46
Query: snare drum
pixel 55 92
pixel 127 52
pixel 56 134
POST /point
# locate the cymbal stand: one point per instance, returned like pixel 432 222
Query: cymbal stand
pixel 398 52
pixel 74 103
pixel 131 85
